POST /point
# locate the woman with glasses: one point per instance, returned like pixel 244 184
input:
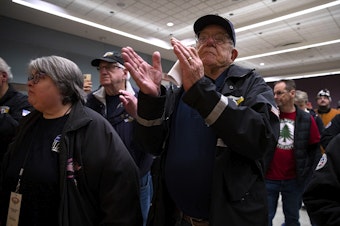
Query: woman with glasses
pixel 66 166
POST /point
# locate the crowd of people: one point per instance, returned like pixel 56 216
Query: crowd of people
pixel 218 150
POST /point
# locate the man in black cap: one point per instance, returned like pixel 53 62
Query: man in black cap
pixel 116 101
pixel 211 134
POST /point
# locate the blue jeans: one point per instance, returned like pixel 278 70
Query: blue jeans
pixel 291 194
pixel 146 191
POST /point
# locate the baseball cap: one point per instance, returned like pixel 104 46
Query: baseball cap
pixel 111 57
pixel 324 92
pixel 210 19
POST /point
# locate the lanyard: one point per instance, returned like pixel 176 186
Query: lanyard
pixel 21 172
pixel 29 149
pixel 19 180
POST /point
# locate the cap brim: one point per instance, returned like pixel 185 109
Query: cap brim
pixel 96 62
pixel 204 21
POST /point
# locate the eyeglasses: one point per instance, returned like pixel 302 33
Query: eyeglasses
pixel 280 93
pixel 108 67
pixel 218 39
pixel 36 77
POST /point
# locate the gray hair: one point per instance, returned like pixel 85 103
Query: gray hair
pixel 66 75
pixel 301 96
pixel 5 68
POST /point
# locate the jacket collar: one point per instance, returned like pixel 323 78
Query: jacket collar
pixel 100 93
pixel 78 117
pixel 237 71
pixel 9 93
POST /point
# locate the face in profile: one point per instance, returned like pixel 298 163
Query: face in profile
pixel 43 94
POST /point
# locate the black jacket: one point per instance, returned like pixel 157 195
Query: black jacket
pixel 321 197
pixel 248 128
pixel 18 104
pixel 318 120
pixel 306 155
pixel 104 190
pixel 331 131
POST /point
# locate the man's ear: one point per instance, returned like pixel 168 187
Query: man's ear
pixel 234 54
pixel 293 92
pixel 126 74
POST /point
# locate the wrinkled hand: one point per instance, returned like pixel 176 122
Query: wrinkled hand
pixel 191 65
pixel 129 102
pixel 147 77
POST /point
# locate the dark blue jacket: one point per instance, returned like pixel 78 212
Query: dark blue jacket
pixel 247 127
pixel 123 123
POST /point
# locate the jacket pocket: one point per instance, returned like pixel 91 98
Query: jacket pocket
pixel 236 174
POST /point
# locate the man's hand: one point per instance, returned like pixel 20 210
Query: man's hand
pixel 192 68
pixel 147 77
pixel 129 102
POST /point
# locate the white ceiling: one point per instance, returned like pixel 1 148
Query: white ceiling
pixel 146 20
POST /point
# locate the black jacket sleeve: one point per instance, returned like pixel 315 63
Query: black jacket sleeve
pixel 321 196
pixel 332 130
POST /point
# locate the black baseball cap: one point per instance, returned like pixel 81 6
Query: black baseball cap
pixel 210 19
pixel 111 57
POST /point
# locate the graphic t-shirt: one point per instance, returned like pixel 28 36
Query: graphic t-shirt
pixel 283 165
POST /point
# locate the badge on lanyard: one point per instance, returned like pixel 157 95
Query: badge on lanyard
pixel 14 209
pixel 15 204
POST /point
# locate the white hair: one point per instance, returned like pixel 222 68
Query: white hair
pixel 5 68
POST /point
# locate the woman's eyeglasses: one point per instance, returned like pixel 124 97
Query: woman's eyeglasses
pixel 36 77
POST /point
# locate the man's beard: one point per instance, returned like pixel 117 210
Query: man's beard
pixel 323 109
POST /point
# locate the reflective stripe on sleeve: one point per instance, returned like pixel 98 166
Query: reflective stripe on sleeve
pixel 149 123
pixel 220 143
pixel 217 111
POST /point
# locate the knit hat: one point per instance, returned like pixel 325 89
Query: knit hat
pixel 325 93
